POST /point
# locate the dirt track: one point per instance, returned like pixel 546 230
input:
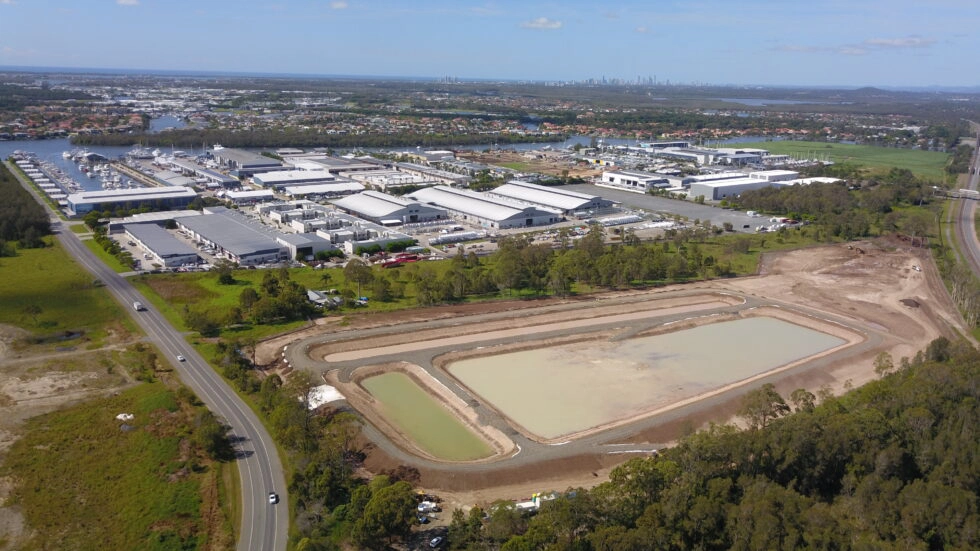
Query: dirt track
pixel 862 286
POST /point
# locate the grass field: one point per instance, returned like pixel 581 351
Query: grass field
pixel 925 164
pixel 105 257
pixel 62 295
pixel 139 488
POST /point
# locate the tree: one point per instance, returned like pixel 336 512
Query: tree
pixel 247 298
pixel 357 271
pixel 389 514
pixel 212 437
pixel 762 405
pixel 803 400
pixel 883 363
pixel 223 268
pixel 32 310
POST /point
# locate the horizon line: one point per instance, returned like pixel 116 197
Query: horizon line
pixel 407 78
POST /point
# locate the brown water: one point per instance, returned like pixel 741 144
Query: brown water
pixel 565 389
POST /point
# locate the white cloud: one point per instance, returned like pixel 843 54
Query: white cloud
pixel 907 42
pixel 128 2
pixel 541 23
pixel 338 5
pixel 7 2
pixel 797 48
pixel 641 30
pixel 852 50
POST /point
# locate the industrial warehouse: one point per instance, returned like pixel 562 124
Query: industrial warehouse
pixel 160 246
pixel 483 210
pixel 389 210
pixel 282 179
pixel 567 202
pixel 234 236
pixel 161 198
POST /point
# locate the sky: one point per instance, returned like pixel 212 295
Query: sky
pixel 849 43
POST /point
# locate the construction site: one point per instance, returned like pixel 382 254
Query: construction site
pixel 500 400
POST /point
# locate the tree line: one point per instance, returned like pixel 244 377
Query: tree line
pixel 271 138
pixel 892 465
pixel 23 220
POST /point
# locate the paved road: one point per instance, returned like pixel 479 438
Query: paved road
pixel 964 219
pixel 689 209
pixel 264 527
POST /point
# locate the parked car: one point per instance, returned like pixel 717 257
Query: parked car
pixel 436 542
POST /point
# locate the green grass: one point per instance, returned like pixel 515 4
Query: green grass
pixel 80 228
pixel 520 167
pixel 85 484
pixel 925 164
pixel 65 293
pixel 105 257
pixel 171 293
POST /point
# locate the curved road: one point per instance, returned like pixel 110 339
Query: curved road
pixel 963 216
pixel 264 527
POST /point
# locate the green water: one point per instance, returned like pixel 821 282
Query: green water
pixel 431 426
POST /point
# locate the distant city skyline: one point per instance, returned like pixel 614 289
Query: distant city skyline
pixel 896 43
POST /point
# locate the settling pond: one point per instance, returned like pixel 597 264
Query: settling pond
pixel 561 390
pixel 432 427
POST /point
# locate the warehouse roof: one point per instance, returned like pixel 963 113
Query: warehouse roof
pixel 232 233
pixel 134 194
pixel 292 177
pixel 374 204
pixel 470 202
pixel 546 196
pixel 324 189
pixel 159 240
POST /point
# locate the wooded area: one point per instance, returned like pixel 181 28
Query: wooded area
pixel 22 218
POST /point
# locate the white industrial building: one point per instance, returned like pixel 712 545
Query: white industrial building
pixel 633 180
pixel 715 177
pixel 775 175
pixel 154 197
pixel 339 230
pixel 389 210
pixel 383 179
pixel 434 174
pixel 555 198
pixel 726 189
pixel 281 179
pixel 323 191
pixel 489 212
pixel 243 163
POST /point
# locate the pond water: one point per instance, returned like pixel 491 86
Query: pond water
pixel 560 390
pixel 430 425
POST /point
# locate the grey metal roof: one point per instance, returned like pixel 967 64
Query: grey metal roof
pixel 245 159
pixel 135 194
pixel 232 232
pixel 159 240
pixel 472 203
pixel 374 204
pixel 326 189
pixel 287 177
pixel 545 196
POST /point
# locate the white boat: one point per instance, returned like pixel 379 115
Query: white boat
pixel 66 154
